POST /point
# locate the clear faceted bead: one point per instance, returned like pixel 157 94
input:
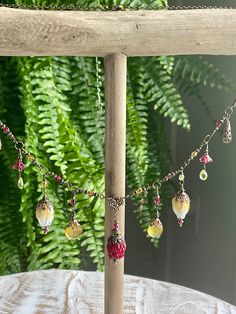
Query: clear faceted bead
pixel 20 183
pixel 203 175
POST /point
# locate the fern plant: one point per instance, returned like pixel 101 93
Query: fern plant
pixel 56 106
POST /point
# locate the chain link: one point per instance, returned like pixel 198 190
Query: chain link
pixel 111 7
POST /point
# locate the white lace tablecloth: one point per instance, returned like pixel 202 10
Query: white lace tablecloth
pixel 79 292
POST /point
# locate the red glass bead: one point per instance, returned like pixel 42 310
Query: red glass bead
pixel 57 178
pixel 116 247
pixel 6 129
pixel 205 159
pixel 180 222
pixel 116 226
pixel 72 202
pixel 18 165
pixel 156 199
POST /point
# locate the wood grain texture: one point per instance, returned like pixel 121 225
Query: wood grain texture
pixel 134 33
pixel 78 292
pixel 115 148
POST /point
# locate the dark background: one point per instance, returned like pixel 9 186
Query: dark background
pixel 201 255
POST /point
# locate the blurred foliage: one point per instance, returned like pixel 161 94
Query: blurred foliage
pixel 56 106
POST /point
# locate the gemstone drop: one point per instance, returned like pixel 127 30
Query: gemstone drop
pixel 20 183
pixel 203 175
pixel 181 177
pixel 155 228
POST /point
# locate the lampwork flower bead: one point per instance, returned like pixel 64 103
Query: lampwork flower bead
pixel 73 230
pixel 45 213
pixel 181 205
pixel 116 246
pixel 205 159
pixel 155 228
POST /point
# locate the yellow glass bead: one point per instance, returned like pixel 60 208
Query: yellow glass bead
pixel 30 157
pixel 194 154
pixel 73 230
pixel 203 175
pixel 44 184
pixel 155 228
pixel 20 183
pixel 181 177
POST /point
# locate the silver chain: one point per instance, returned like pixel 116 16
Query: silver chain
pixel 110 8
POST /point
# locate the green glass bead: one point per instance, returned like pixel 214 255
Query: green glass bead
pixel 20 183
pixel 203 175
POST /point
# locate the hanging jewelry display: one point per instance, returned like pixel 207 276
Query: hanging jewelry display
pixel 116 245
pixel 181 201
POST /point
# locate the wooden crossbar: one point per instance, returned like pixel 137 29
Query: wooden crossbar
pixel 134 33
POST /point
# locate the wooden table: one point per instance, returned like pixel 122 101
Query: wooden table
pixel 79 292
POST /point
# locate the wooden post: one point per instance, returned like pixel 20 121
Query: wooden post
pixel 115 142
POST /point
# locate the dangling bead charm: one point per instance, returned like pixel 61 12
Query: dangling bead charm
pixel 181 202
pixel 45 213
pixel 181 206
pixel 227 136
pixel 116 245
pixel 205 159
pixel 155 229
pixel 73 229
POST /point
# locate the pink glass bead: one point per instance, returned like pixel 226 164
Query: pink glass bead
pixel 57 178
pixel 45 229
pixel 156 199
pixel 180 222
pixel 115 226
pixel 219 124
pixel 6 129
pixel 205 159
pixel 18 165
pixel 72 202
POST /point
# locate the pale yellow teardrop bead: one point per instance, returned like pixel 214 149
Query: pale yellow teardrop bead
pixel 181 177
pixel 20 183
pixel 203 175
pixel 155 228
pixel 73 230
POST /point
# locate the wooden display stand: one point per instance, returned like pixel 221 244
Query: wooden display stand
pixel 116 35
